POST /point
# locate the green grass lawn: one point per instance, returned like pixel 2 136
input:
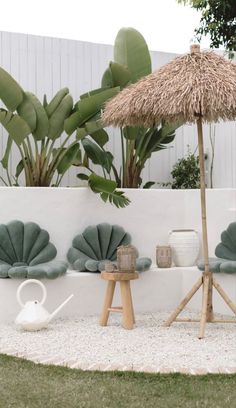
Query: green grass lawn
pixel 25 384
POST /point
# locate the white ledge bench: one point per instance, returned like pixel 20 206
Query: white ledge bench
pixel 155 290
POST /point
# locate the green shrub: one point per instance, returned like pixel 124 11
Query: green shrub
pixel 186 173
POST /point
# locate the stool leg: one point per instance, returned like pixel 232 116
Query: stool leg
pixel 107 302
pixel 127 305
pixel 131 303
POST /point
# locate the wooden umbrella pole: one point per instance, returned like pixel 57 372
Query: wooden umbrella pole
pixel 208 316
pixel 207 280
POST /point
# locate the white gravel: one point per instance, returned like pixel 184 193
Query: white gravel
pixel 82 343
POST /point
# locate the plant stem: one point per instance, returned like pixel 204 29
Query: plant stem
pixel 123 157
pixel 26 169
pixel 30 152
pixel 1 178
pixel 37 160
pixel 33 160
pixel 45 159
pixel 42 145
pixel 131 163
pixel 118 180
pixel 59 156
pixel 36 147
pixel 58 180
pixel 8 177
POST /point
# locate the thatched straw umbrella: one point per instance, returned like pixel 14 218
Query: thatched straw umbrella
pixel 197 87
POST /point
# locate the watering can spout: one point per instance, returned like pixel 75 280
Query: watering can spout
pixel 59 308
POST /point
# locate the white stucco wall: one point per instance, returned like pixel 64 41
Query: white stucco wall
pixel 65 212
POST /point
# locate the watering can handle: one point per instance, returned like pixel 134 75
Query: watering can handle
pixel 23 284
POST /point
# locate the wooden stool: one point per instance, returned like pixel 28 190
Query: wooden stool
pixel 127 305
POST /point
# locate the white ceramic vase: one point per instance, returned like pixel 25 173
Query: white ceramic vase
pixel 185 246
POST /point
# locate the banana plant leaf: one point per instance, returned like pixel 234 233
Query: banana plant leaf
pixel 97 155
pixel 58 117
pixel 107 79
pixel 55 102
pixel 90 93
pixel 107 190
pixel 45 102
pixel 131 51
pixel 27 112
pixel 81 133
pixel 42 122
pixel 5 159
pixel 72 156
pixel 100 137
pixel 82 176
pixel 19 168
pixel 94 128
pixel 93 125
pixel 116 75
pixel 167 134
pixel 10 91
pixel 149 184
pixel 131 133
pixel 169 128
pixel 17 128
pixel 87 108
pixel 155 139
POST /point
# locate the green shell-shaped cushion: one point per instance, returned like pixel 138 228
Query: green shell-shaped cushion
pixel 98 244
pixel 218 265
pixel 143 264
pixel 225 252
pixel 26 252
pixel 227 247
pixel 214 264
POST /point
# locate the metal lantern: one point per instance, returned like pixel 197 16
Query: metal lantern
pixel 163 256
pixel 126 258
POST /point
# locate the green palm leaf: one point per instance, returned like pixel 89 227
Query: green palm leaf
pixel 10 91
pixel 17 128
pixel 88 107
pixel 27 112
pixel 107 190
pixel 58 117
pixel 55 102
pixel 42 122
pixel 131 51
pixel 5 159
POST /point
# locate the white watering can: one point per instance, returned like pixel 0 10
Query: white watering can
pixel 33 316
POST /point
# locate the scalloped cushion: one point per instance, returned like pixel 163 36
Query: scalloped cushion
pixel 50 270
pixel 97 244
pixel 143 264
pixel 91 265
pixel 225 252
pixel 214 264
pixel 218 265
pixel 227 247
pixel 25 251
pixel 228 267
pixel 4 268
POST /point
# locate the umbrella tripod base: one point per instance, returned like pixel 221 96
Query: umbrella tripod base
pixel 207 281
